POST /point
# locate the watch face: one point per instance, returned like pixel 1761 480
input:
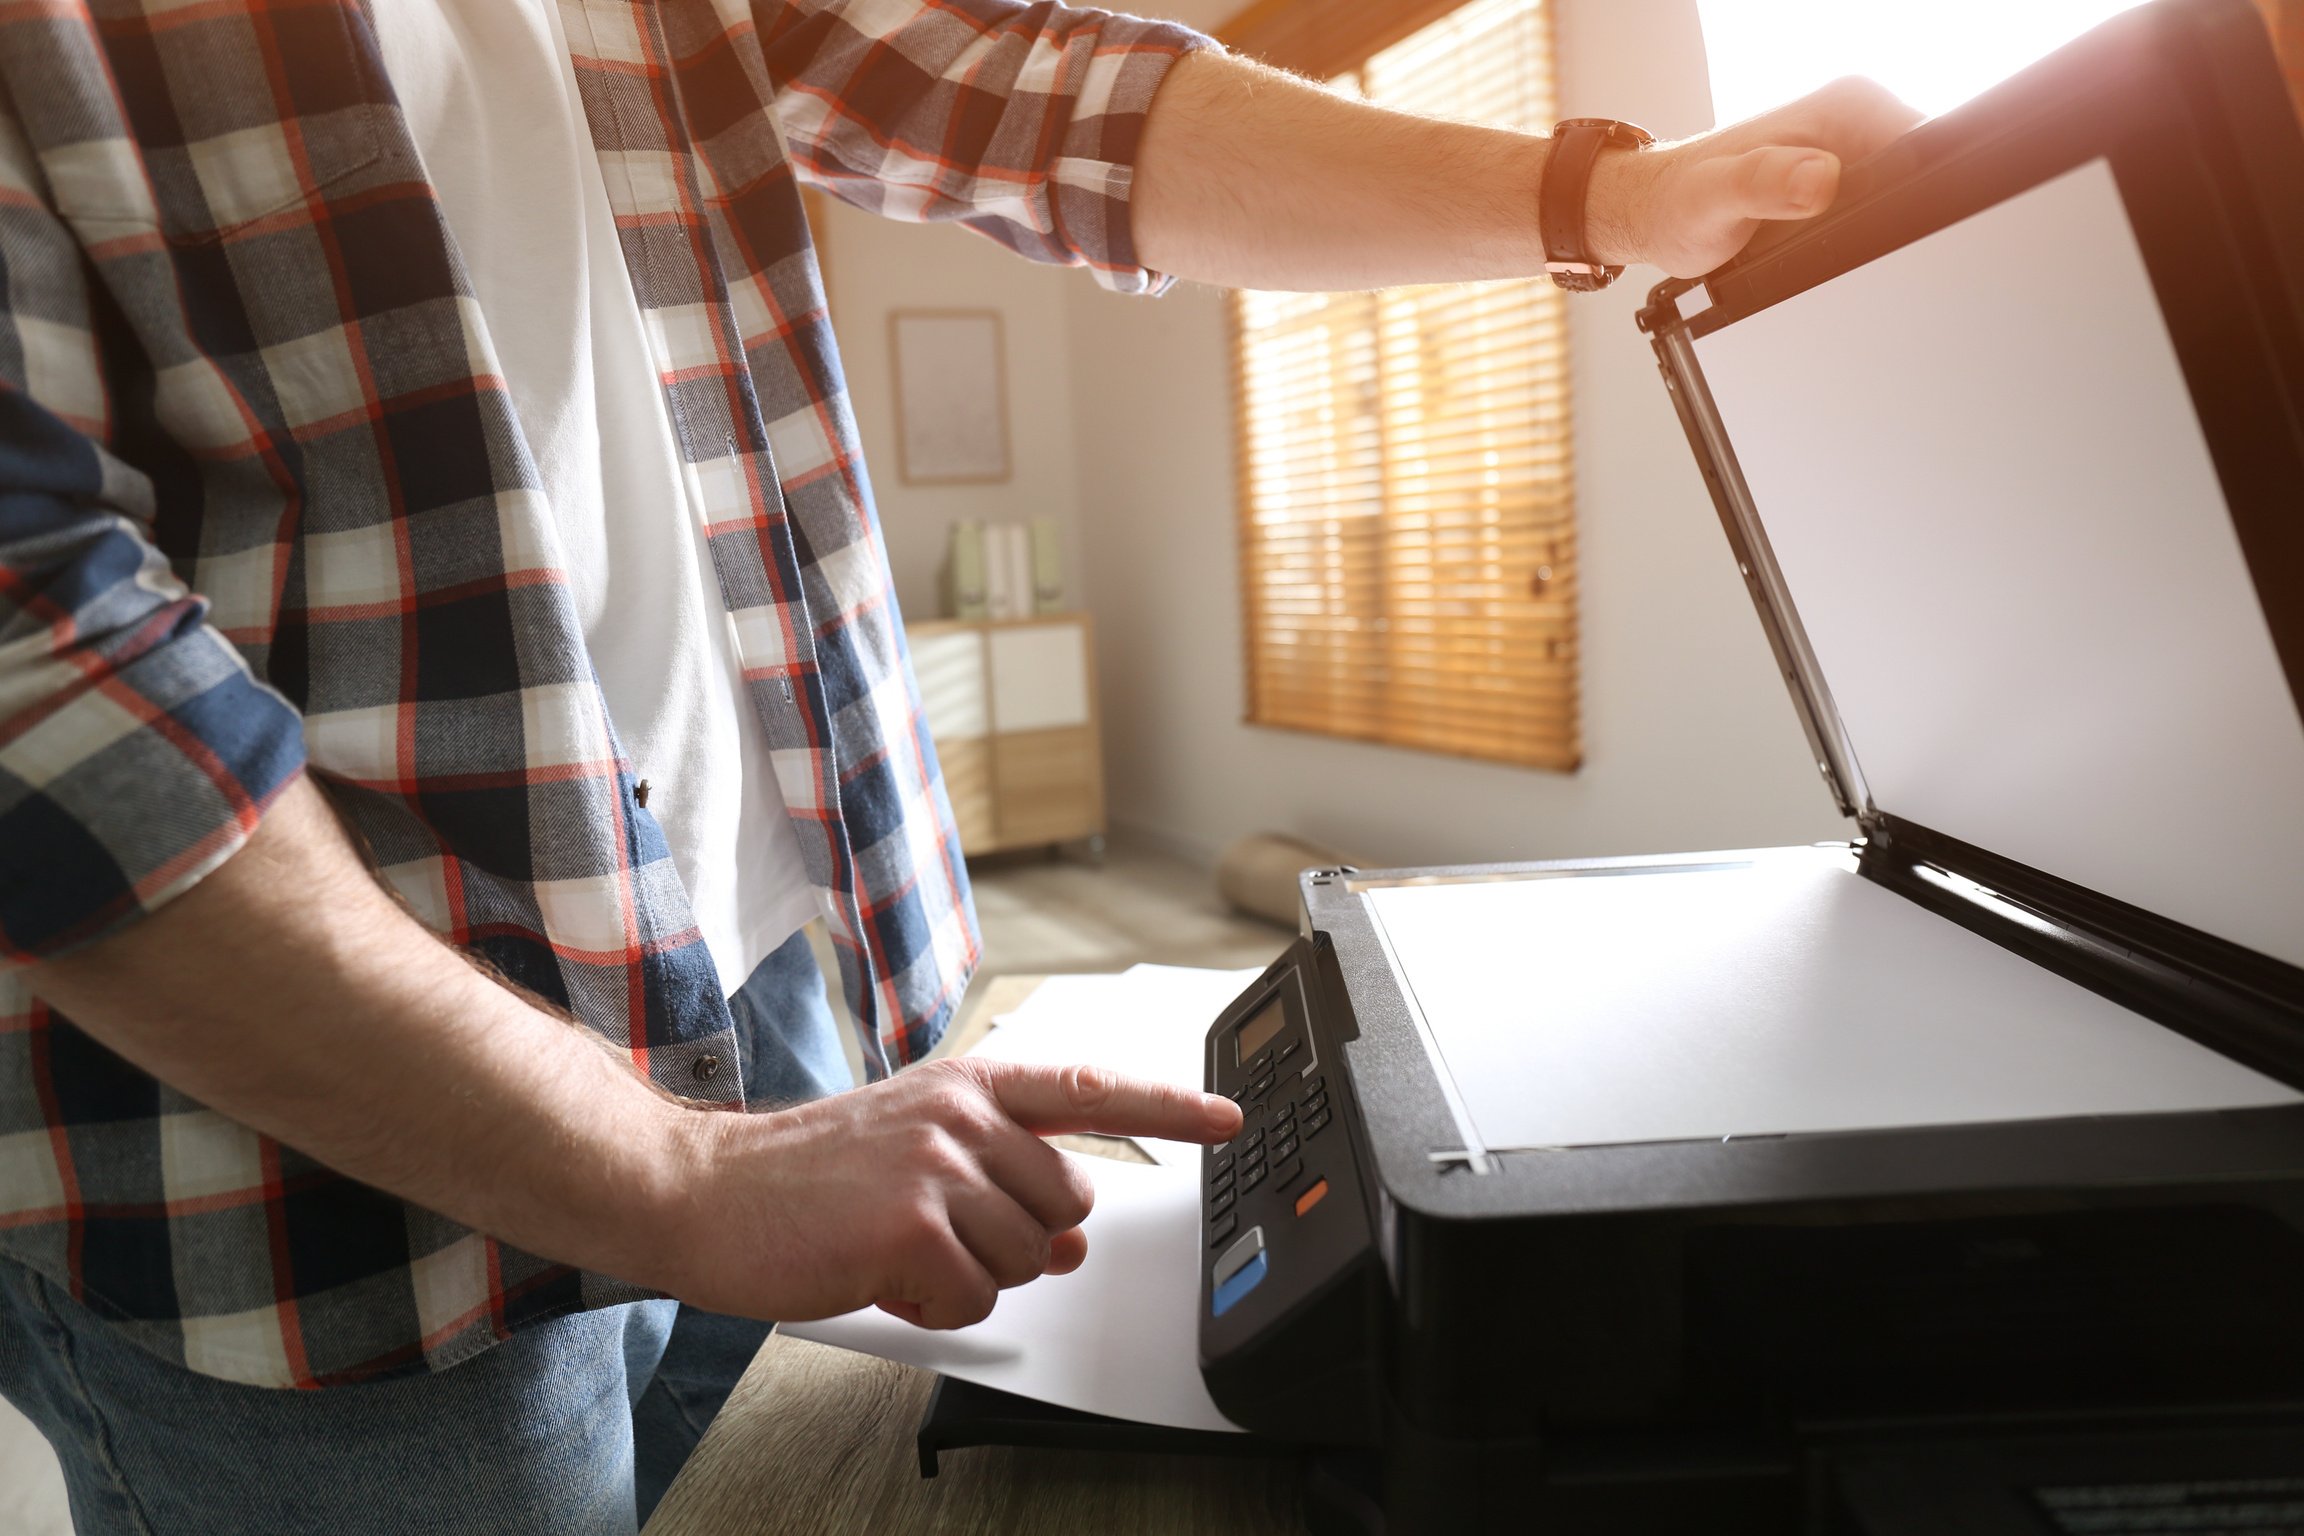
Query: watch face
pixel 1581 277
pixel 1621 134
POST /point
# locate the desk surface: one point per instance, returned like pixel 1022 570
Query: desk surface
pixel 816 1439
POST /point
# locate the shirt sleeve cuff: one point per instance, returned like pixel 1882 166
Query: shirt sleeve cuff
pixel 133 782
pixel 1091 199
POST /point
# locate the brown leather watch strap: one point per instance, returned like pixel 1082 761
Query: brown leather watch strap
pixel 1560 200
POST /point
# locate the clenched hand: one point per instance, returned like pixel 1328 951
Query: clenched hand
pixel 1688 207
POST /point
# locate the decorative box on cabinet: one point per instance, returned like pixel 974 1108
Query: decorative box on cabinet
pixel 1012 706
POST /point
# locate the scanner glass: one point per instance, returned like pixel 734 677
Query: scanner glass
pixel 1979 468
pixel 1789 994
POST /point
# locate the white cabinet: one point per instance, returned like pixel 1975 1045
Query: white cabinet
pixel 1012 708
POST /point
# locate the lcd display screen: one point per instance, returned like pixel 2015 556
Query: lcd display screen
pixel 1259 1031
pixel 1979 467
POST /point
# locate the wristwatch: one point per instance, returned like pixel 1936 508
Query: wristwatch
pixel 1576 143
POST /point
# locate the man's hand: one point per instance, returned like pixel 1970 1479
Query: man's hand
pixel 1688 207
pixel 1256 179
pixel 927 1194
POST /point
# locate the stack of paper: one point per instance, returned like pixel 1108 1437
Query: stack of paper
pixel 1118 1336
pixel 1151 1021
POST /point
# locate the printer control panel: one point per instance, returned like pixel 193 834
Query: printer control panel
pixel 1284 1225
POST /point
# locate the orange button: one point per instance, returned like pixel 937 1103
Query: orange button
pixel 1312 1196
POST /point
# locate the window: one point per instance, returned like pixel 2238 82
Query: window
pixel 1935 56
pixel 1407 516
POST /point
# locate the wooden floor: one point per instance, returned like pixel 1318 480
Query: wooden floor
pixel 1042 915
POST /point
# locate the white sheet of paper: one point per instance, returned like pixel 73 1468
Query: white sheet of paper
pixel 1118 1336
pixel 1066 996
pixel 1151 1021
pixel 2070 665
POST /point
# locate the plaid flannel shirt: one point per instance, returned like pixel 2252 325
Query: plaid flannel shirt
pixel 265 505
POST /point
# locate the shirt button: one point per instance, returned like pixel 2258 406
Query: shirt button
pixel 706 1068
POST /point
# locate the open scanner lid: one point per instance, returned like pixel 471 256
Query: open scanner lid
pixel 2010 448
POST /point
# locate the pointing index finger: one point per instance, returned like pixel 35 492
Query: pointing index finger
pixel 1055 1101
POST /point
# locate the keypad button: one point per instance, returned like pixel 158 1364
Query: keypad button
pixel 1287 1173
pixel 1290 1049
pixel 1314 1124
pixel 1220 1203
pixel 1260 1065
pixel 1284 1149
pixel 1221 1167
pixel 1315 1084
pixel 1261 1086
pixel 1220 1232
pixel 1250 1161
pixel 1253 1137
pixel 1222 1180
pixel 1251 1177
pixel 1315 1103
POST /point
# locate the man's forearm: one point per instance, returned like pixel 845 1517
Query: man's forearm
pixel 288 991
pixel 1251 178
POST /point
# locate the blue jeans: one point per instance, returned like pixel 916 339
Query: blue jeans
pixel 571 1427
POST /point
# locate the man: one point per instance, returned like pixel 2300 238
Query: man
pixel 440 601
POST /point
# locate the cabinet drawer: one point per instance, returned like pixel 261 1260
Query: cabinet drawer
pixel 1049 785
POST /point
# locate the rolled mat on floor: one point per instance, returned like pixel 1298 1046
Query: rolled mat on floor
pixel 1258 874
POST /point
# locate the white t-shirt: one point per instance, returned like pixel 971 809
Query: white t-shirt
pixel 491 100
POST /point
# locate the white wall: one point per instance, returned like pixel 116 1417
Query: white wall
pixel 1122 414
pixel 1690 741
pixel 876 266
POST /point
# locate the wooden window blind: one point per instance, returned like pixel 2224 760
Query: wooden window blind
pixel 1407 517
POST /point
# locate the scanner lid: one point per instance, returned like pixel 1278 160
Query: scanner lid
pixel 2010 448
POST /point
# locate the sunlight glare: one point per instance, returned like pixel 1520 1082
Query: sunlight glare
pixel 1934 55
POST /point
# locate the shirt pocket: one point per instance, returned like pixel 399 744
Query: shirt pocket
pixel 224 118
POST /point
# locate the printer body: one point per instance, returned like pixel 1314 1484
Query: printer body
pixel 1950 1176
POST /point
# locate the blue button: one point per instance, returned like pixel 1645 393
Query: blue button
pixel 1243 1280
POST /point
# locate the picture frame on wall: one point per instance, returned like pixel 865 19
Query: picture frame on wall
pixel 951 396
